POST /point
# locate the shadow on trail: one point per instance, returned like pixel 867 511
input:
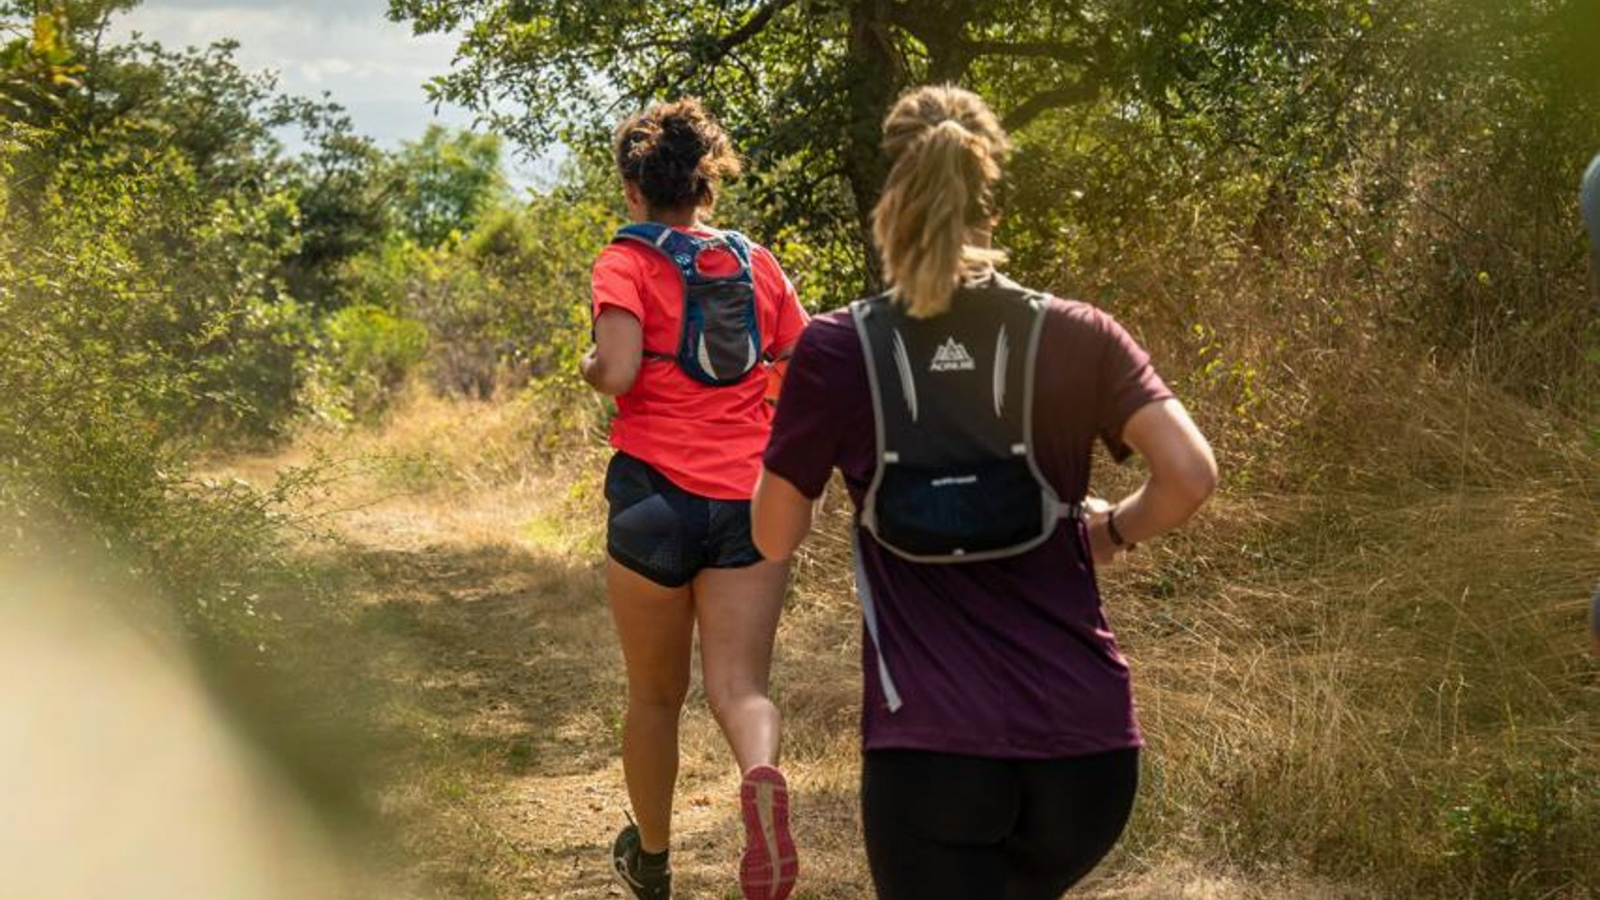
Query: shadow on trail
pixel 499 705
pixel 505 656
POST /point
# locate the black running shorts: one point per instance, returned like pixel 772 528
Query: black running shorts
pixel 667 534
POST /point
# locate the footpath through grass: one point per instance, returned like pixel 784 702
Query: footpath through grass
pixel 1347 694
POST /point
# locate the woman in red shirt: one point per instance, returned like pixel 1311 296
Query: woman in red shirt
pixel 689 444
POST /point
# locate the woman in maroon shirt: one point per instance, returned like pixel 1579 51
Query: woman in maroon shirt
pixel 1000 745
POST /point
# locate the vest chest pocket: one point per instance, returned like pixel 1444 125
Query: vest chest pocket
pixel 959 510
pixel 721 336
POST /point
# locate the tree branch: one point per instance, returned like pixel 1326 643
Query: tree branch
pixel 943 33
pixel 719 50
pixel 912 21
pixel 1031 108
pixel 1071 53
pixel 751 27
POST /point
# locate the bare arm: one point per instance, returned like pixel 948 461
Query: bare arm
pixel 1183 474
pixel 613 363
pixel 780 516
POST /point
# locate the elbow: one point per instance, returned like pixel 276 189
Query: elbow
pixel 770 543
pixel 1187 486
pixel 614 387
pixel 1198 482
pixel 609 381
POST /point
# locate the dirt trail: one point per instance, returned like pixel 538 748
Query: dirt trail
pixel 481 611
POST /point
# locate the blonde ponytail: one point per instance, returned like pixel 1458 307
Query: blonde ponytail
pixel 946 146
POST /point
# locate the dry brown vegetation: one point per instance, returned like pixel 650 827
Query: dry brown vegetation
pixel 1372 688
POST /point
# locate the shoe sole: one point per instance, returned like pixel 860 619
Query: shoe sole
pixel 628 890
pixel 769 866
pixel 627 886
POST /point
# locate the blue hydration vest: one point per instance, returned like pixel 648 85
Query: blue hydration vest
pixel 720 341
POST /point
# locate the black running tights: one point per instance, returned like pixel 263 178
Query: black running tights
pixel 946 827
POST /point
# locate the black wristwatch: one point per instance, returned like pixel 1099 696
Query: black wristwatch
pixel 1115 535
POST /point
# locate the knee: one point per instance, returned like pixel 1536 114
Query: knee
pixel 657 699
pixel 726 698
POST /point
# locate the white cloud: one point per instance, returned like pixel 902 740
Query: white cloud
pixel 349 49
pixel 374 67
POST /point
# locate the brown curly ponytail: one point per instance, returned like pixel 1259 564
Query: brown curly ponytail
pixel 677 154
pixel 946 146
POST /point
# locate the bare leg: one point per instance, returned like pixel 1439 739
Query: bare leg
pixel 737 611
pixel 656 626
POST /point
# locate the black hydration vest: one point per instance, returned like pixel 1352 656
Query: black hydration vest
pixel 952 398
pixel 720 341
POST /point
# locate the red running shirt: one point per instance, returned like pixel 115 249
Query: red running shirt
pixel 706 440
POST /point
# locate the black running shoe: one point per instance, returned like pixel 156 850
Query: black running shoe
pixel 639 880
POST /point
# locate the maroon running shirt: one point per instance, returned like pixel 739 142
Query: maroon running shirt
pixel 1011 658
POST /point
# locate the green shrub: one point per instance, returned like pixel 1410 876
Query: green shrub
pixel 371 351
pixel 1522 830
pixel 506 305
pixel 134 306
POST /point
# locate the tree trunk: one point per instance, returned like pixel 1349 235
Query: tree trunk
pixel 877 77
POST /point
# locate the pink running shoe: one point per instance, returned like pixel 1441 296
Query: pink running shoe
pixel 769 866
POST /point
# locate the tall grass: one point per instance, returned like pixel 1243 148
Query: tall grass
pixel 1368 655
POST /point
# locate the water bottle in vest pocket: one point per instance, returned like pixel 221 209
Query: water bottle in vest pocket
pixel 720 339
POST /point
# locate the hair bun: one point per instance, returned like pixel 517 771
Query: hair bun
pixel 676 153
pixel 682 134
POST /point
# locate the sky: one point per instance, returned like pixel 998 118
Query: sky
pixel 373 67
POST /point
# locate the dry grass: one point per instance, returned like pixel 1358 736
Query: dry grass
pixel 1366 680
pixel 1370 658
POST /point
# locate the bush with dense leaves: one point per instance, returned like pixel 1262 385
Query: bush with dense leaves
pixel 365 359
pixel 506 303
pixel 134 307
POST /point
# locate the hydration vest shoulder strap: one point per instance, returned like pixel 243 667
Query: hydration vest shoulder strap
pixel 683 250
pixel 869 614
pixel 653 234
pixel 742 249
pixel 860 312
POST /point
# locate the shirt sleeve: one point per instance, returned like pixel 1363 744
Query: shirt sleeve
pixel 805 434
pixel 1128 384
pixel 792 317
pixel 615 283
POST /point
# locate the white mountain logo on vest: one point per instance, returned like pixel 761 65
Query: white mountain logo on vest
pixel 952 357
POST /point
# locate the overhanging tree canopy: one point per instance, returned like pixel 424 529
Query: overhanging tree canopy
pixel 1249 99
pixel 802 84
